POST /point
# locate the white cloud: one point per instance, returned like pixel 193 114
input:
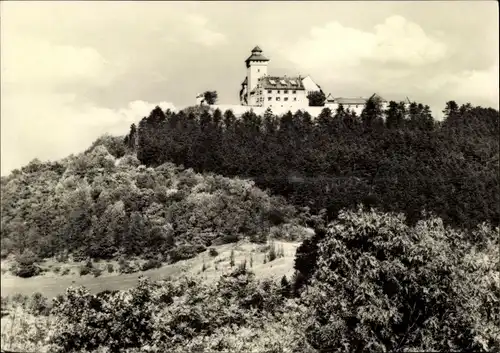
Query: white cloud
pixel 40 122
pixel 401 41
pixel 476 86
pixel 34 63
pixel 52 126
pixel 334 46
pixel 201 34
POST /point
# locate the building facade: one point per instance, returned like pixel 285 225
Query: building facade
pixel 259 89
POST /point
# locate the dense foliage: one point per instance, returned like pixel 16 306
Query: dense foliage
pixel 378 285
pixel 99 206
pixel 381 285
pixel 398 160
pixel 179 316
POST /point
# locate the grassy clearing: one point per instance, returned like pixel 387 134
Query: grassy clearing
pixel 51 284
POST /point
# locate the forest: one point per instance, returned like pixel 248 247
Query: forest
pixel 400 159
pixel 404 254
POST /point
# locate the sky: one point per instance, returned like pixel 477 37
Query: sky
pixel 74 70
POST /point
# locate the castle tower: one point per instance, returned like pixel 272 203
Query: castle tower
pixel 256 68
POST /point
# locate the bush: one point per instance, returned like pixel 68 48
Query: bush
pixel 56 269
pixel 87 268
pixel 126 266
pixel 184 252
pixel 20 299
pixel 110 268
pixel 272 253
pixel 150 264
pixel 25 265
pixel 392 287
pixel 65 271
pixel 84 270
pixel 38 305
pixel 96 272
pixel 213 252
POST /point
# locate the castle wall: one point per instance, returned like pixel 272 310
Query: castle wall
pixel 239 110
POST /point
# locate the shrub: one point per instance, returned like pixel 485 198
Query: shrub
pixel 38 305
pixel 110 268
pixel 56 269
pixel 231 259
pixel 272 253
pixel 392 287
pixel 96 271
pixel 20 299
pixel 62 257
pixel 124 266
pixel 184 252
pixel 25 265
pixel 84 270
pixel 152 263
pixel 213 252
pixel 65 271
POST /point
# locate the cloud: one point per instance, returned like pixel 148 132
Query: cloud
pixel 38 120
pixel 34 63
pixel 396 40
pixel 52 126
pixel 194 28
pixel 478 86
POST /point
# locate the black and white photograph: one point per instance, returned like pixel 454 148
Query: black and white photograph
pixel 249 176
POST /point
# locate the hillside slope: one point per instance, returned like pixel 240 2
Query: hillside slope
pixel 102 204
pixel 204 266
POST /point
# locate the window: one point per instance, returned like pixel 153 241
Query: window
pixel 285 99
pixel 272 82
pixel 278 91
pixel 285 91
pixel 269 91
pixel 277 98
pixel 283 82
pixel 293 82
pixel 258 70
pixel 269 98
pixel 294 92
pixel 295 98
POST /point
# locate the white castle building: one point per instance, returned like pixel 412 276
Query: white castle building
pixel 260 91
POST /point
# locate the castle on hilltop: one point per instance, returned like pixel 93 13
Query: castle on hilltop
pixel 262 90
pixel 259 89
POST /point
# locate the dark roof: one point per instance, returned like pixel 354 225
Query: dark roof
pixel 256 56
pixel 379 97
pixel 267 82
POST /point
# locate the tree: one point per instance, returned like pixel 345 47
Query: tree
pixel 231 258
pixel 372 112
pixel 285 287
pixel 451 110
pixel 306 257
pixel 210 97
pixel 316 99
pixel 393 287
pixel 393 116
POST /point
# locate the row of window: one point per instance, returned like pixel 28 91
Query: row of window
pixel 278 91
pixel 261 99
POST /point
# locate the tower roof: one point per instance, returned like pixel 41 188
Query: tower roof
pixel 256 56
